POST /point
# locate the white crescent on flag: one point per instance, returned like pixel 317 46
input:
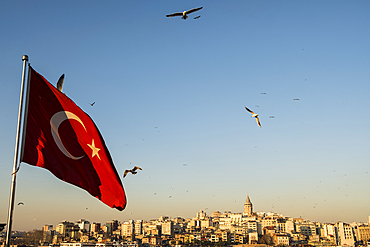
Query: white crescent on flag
pixel 55 121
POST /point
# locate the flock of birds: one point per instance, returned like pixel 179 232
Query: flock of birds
pixel 133 171
pixel 184 16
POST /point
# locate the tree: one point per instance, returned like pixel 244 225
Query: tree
pixel 266 239
pixel 33 238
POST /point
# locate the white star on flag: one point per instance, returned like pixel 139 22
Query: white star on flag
pixel 95 150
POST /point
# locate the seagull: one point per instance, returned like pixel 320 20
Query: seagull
pixel 60 83
pixel 133 171
pixel 92 104
pixel 254 115
pixel 20 203
pixel 185 13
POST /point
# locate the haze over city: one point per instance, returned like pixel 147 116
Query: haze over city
pixel 170 97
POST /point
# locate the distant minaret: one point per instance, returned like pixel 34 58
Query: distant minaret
pixel 248 207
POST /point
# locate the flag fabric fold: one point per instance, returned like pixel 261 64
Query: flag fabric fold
pixel 63 139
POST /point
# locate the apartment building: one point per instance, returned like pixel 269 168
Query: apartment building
pixel 363 233
pixel 127 228
pixel 167 228
pixel 306 228
pixel 345 234
pixel 280 239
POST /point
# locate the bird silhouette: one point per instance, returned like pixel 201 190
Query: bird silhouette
pixel 92 104
pixel 184 14
pixel 197 17
pixel 254 115
pixel 60 83
pixel 133 171
pixel 20 203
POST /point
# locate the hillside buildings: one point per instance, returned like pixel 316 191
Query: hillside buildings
pixel 248 227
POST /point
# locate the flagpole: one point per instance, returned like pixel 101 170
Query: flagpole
pixel 16 161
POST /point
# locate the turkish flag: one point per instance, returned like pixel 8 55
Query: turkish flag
pixel 62 138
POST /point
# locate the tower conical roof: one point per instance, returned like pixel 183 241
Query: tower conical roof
pixel 248 201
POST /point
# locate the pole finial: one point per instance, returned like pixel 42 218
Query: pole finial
pixel 25 57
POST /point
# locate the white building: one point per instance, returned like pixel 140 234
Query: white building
pixel 344 234
pixel 138 227
pixel 127 228
pixel 167 228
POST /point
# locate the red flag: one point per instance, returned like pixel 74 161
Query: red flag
pixel 62 138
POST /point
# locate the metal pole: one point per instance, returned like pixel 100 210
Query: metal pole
pixel 15 167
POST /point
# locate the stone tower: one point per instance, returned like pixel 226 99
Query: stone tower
pixel 248 207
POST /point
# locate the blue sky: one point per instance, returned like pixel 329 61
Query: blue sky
pixel 170 92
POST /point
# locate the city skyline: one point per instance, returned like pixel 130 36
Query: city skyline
pixel 235 228
pixel 247 210
pixel 170 97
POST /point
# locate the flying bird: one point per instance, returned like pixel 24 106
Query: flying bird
pixel 60 83
pixel 133 171
pixel 295 99
pixel 185 13
pixel 197 17
pixel 254 115
pixel 20 203
pixel 92 104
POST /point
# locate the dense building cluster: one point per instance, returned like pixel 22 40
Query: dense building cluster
pixel 222 228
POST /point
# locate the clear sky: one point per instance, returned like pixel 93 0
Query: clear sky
pixel 170 97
